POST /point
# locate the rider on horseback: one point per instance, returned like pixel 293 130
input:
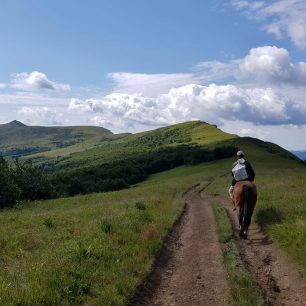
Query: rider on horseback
pixel 241 171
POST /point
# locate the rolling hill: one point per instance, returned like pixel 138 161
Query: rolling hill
pixel 189 134
pixel 67 148
pixel 18 139
pixel 83 160
pixel 61 148
pixel 96 249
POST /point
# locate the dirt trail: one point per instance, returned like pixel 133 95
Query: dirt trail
pixel 190 271
pixel 279 279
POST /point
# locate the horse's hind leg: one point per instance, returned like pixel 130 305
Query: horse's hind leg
pixel 247 211
pixel 241 221
pixel 248 215
pixel 246 222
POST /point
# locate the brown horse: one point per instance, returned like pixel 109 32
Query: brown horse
pixel 244 197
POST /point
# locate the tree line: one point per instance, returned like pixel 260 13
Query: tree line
pixel 23 181
pixel 126 172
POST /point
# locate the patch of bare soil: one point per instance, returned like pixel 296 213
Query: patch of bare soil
pixel 189 270
pixel 279 279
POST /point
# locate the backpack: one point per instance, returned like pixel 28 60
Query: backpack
pixel 239 172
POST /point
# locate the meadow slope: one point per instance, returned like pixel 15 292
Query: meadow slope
pixel 96 249
pixel 123 146
pixel 93 249
pixel 18 139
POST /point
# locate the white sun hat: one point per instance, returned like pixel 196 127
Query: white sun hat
pixel 240 152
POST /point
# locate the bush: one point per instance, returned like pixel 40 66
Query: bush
pixel 48 222
pixel 140 206
pixel 22 181
pixel 9 190
pixel 224 152
pixel 106 226
pixel 31 181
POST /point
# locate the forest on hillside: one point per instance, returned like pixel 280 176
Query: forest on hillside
pixel 22 181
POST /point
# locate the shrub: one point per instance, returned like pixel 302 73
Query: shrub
pixel 9 191
pixel 140 205
pixel 106 226
pixel 224 152
pixel 31 181
pixel 48 222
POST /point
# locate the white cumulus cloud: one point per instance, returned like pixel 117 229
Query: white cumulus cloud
pixel 210 103
pixel 79 105
pixel 268 65
pixel 272 64
pixel 35 80
pixel 283 18
pixel 40 116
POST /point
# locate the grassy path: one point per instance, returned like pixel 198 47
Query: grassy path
pixel 244 289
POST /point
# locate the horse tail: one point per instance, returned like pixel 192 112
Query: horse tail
pixel 247 205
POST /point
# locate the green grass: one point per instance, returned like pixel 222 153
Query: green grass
pixel 91 152
pixel 244 290
pixel 15 137
pixel 94 249
pixel 281 211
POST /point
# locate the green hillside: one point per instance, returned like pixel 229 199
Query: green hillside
pixel 69 147
pixel 188 133
pixel 101 161
pixel 18 139
pixel 95 249
pixel 61 148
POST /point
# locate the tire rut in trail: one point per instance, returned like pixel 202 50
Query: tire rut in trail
pixel 162 264
pixel 192 272
pixel 280 281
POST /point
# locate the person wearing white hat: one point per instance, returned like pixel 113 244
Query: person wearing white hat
pixel 241 171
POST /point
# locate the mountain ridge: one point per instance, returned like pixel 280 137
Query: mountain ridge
pixel 18 139
pixel 84 160
pixel 70 147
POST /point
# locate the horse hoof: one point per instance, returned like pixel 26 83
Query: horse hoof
pixel 243 234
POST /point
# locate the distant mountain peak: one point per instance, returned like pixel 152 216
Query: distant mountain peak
pixel 16 123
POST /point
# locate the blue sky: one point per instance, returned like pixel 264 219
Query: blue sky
pixel 136 65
